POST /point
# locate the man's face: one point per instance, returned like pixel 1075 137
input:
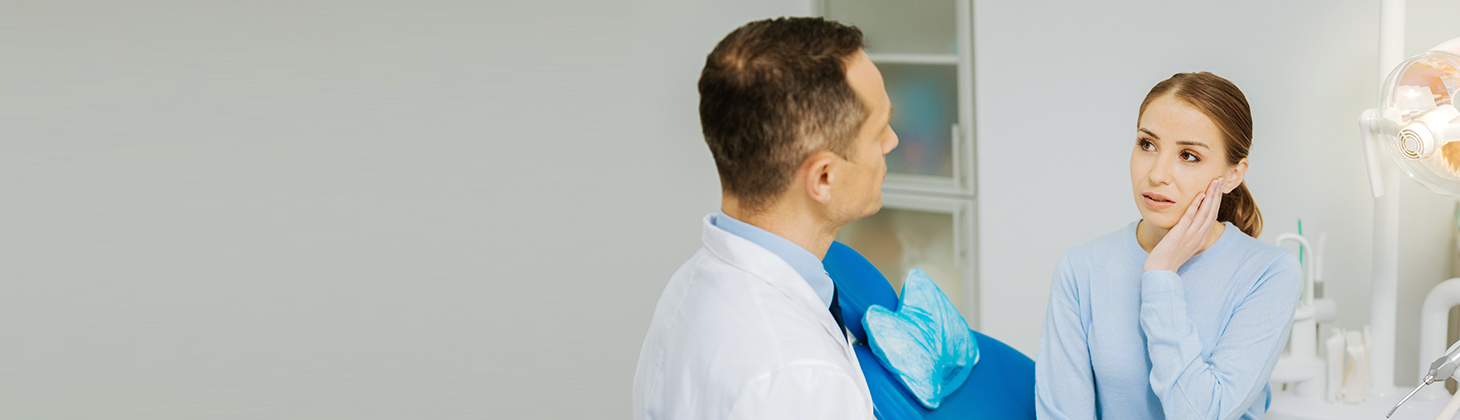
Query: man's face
pixel 857 192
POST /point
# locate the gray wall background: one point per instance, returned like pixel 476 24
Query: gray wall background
pixel 344 210
pixel 385 210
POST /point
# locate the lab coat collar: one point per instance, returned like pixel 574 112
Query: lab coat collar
pixel 804 262
pixel 766 265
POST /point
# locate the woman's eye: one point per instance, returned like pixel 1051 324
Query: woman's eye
pixel 1189 157
pixel 1146 145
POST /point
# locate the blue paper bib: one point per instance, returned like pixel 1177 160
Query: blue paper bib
pixel 926 343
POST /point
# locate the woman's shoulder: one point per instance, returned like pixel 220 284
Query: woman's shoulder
pixel 1253 249
pixel 1270 263
pixel 1109 248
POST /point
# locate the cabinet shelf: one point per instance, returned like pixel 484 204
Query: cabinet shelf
pixel 944 59
pixel 913 183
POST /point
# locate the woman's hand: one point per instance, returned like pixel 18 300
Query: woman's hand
pixel 1189 235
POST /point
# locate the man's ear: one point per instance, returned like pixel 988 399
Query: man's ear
pixel 816 175
pixel 1235 176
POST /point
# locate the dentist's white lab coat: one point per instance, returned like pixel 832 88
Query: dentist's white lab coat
pixel 738 334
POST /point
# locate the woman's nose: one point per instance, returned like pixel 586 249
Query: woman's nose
pixel 1160 173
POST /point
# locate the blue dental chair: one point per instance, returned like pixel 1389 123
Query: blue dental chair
pixel 1000 386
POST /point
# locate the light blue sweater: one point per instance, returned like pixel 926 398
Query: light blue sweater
pixel 1200 343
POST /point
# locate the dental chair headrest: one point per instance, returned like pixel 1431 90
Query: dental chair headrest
pixel 859 286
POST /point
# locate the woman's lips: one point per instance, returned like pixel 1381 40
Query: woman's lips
pixel 1157 201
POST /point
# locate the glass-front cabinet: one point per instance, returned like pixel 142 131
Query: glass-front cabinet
pixel 924 52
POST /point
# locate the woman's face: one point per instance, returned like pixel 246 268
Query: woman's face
pixel 1178 152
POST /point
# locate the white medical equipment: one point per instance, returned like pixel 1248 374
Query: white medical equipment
pixel 1300 365
pixel 1418 123
pixel 1440 369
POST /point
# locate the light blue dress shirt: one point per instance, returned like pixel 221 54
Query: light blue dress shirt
pixel 804 262
pixel 1199 343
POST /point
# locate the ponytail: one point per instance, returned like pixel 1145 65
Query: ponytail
pixel 1239 208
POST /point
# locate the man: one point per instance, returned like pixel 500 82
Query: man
pixel 796 116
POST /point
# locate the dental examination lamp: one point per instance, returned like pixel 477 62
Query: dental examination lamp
pixel 1418 123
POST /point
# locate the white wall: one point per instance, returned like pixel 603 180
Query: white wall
pixel 1058 87
pixel 345 210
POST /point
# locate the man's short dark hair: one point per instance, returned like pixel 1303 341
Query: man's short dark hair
pixel 773 92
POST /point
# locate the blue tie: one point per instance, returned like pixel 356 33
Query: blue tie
pixel 836 312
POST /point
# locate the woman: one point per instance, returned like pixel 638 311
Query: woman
pixel 1182 314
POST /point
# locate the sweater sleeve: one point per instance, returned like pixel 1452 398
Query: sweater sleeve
pixel 1064 379
pixel 1223 384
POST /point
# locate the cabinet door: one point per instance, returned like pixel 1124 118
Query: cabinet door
pixel 922 50
pixel 918 232
pixel 925 117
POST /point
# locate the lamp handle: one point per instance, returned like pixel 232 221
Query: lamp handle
pixel 1368 125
